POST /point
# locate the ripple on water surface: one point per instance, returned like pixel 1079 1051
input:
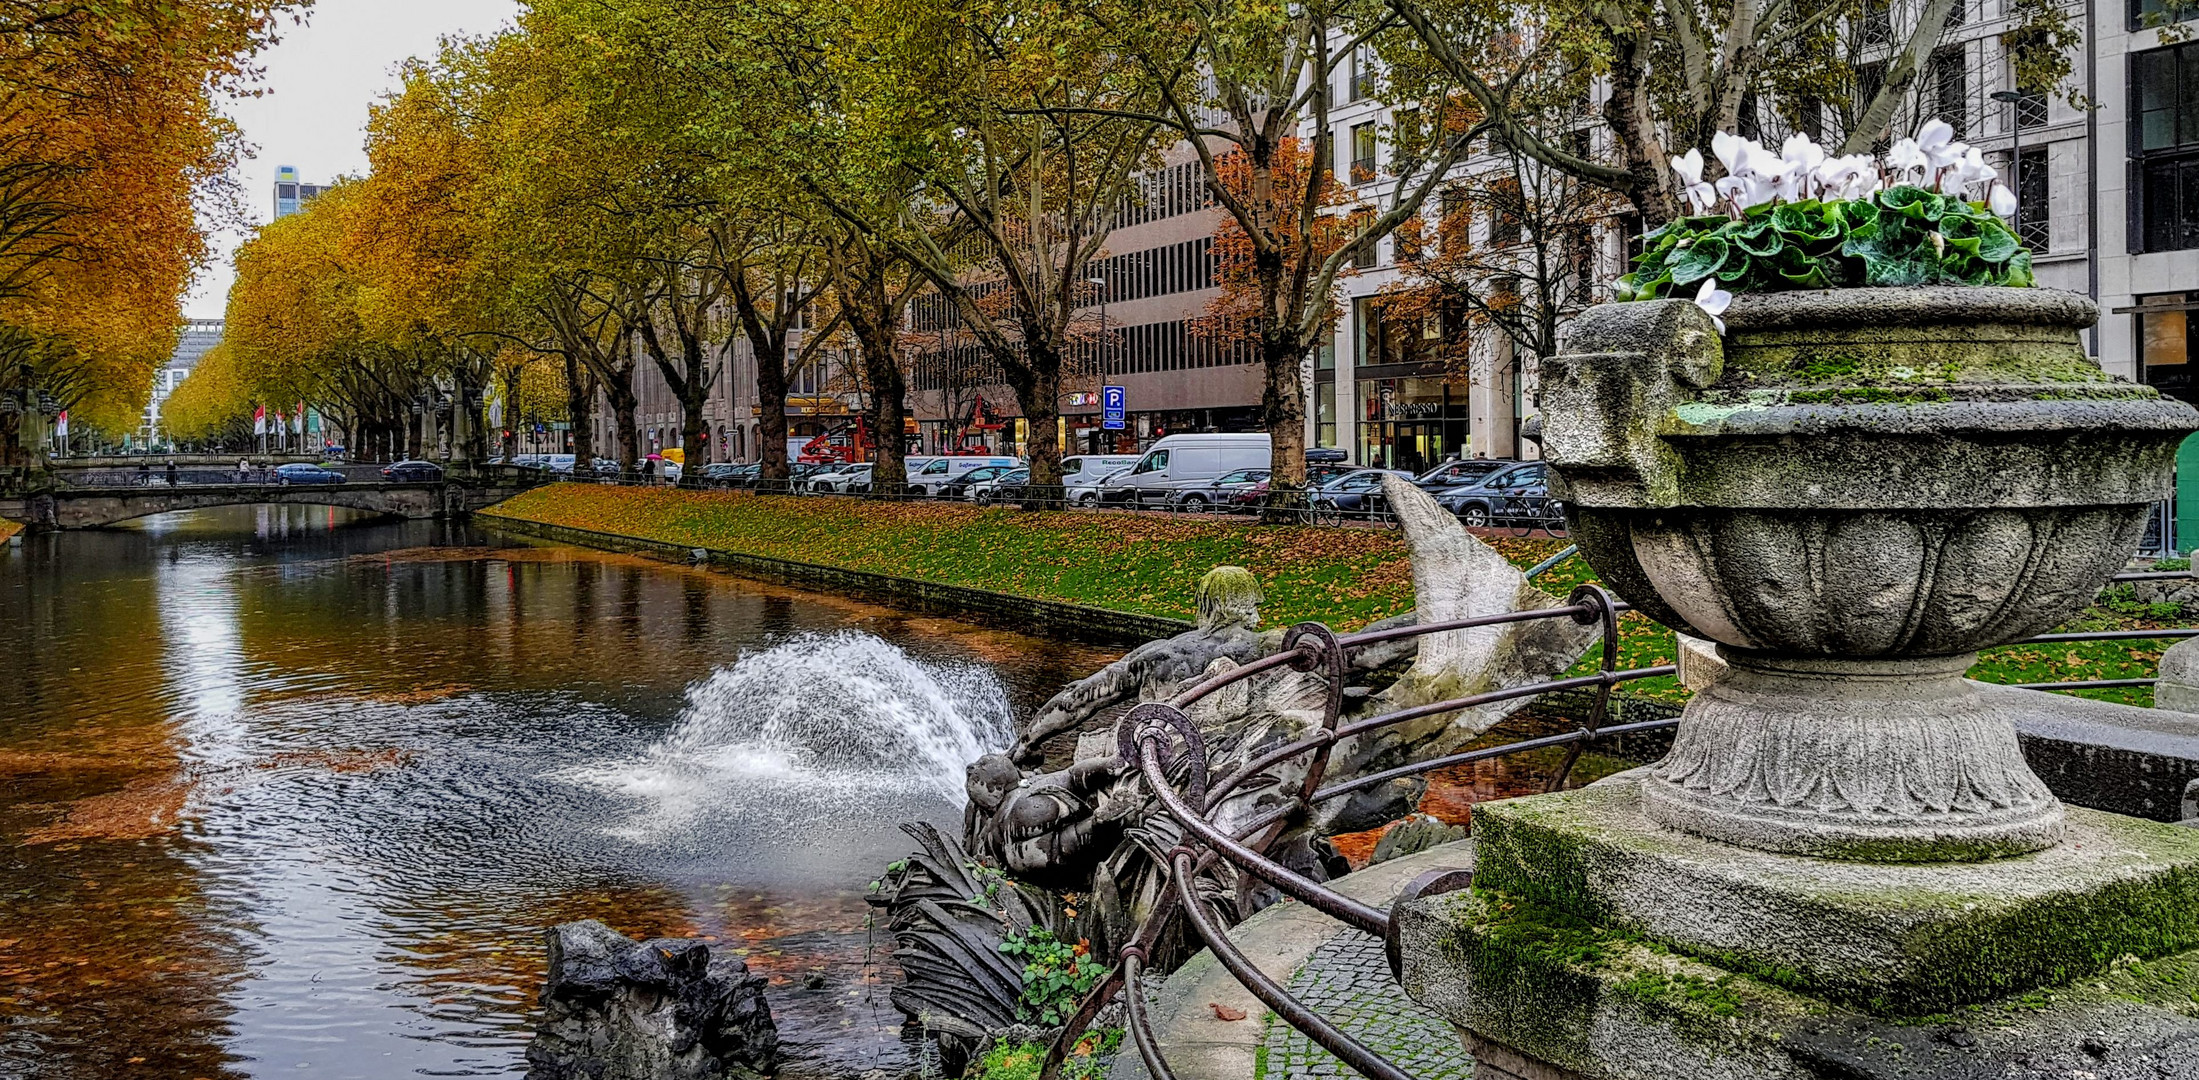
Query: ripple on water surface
pixel 291 793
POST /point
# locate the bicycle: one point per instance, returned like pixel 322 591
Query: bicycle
pixel 1523 515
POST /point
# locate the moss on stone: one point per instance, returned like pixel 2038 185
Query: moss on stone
pixel 1935 941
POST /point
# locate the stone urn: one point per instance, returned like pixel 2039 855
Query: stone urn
pixel 1852 491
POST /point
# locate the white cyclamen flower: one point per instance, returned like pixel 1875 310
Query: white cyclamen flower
pixel 1907 161
pixel 1690 171
pixel 1802 155
pixel 1850 177
pixel 1714 301
pixel 1937 141
pixel 1973 174
pixel 2002 200
pixel 1731 150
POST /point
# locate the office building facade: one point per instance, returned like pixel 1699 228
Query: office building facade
pixel 291 193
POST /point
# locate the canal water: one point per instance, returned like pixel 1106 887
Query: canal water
pixel 290 792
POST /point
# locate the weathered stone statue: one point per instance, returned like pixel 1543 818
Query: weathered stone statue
pixel 1094 830
pixel 665 1009
pixel 1228 626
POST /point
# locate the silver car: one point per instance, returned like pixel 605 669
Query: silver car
pixel 1091 494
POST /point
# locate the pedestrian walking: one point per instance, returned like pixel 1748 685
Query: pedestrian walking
pixel 244 471
pixel 648 470
pixel 144 473
pixel 171 472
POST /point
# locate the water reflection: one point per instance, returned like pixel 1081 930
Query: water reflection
pixel 290 790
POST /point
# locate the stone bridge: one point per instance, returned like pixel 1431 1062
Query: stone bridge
pixel 92 507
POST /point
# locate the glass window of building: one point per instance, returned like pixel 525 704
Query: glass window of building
pixel 2168 351
pixel 2164 148
pixel 1363 143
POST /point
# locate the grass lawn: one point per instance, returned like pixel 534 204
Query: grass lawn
pixel 1150 564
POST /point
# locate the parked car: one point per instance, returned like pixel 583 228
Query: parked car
pixel 1456 472
pixel 1218 492
pixel 1499 496
pixel 1178 462
pixel 726 474
pixel 1325 455
pixel 959 487
pixel 988 491
pixel 1319 474
pixel 1357 493
pixel 1084 470
pixel 845 480
pixel 306 474
pixel 1097 492
pixel 412 472
pixel 936 473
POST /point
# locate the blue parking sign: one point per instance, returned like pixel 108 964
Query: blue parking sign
pixel 1114 407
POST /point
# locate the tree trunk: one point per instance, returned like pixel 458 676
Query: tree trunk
pixel 580 412
pixel 771 416
pixel 1037 386
pixel 889 474
pixel 623 408
pixel 1283 411
pixel 1634 126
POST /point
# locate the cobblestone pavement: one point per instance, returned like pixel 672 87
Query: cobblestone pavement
pixel 1348 981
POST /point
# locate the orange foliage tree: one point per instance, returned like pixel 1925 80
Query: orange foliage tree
pixel 111 144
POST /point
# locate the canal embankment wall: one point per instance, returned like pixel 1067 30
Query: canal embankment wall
pixel 1055 571
pixel 1122 577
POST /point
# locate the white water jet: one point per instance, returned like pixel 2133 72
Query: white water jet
pixel 821 725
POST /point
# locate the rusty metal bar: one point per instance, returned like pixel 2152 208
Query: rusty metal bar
pixel 1468 757
pixel 1328 902
pixel 2082 684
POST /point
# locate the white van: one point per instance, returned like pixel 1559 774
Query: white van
pixel 1087 470
pixel 936 472
pixel 1179 461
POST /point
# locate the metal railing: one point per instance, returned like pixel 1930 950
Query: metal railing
pixel 1159 737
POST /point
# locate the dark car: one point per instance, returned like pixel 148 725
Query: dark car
pixel 1357 493
pixel 1015 480
pixel 412 472
pixel 726 474
pixel 1519 492
pixel 306 474
pixel 1455 472
pixel 959 487
pixel 1321 473
pixel 1326 455
pixel 1218 492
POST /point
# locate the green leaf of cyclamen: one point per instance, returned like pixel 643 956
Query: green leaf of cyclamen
pixel 1702 259
pixel 1996 243
pixel 1759 238
pixel 1807 221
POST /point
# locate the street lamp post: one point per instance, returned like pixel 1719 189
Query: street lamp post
pixel 2015 155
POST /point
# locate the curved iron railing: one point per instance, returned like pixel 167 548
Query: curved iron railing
pixel 1159 736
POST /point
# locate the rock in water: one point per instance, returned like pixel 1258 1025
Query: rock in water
pixel 664 1009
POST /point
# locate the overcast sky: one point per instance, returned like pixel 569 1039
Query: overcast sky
pixel 319 82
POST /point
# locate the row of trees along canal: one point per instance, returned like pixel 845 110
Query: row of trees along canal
pixel 612 183
pixel 112 146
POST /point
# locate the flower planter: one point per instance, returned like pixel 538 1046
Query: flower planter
pixel 1852 492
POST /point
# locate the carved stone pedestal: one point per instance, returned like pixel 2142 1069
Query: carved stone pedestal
pixel 1884 760
pixel 1599 944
